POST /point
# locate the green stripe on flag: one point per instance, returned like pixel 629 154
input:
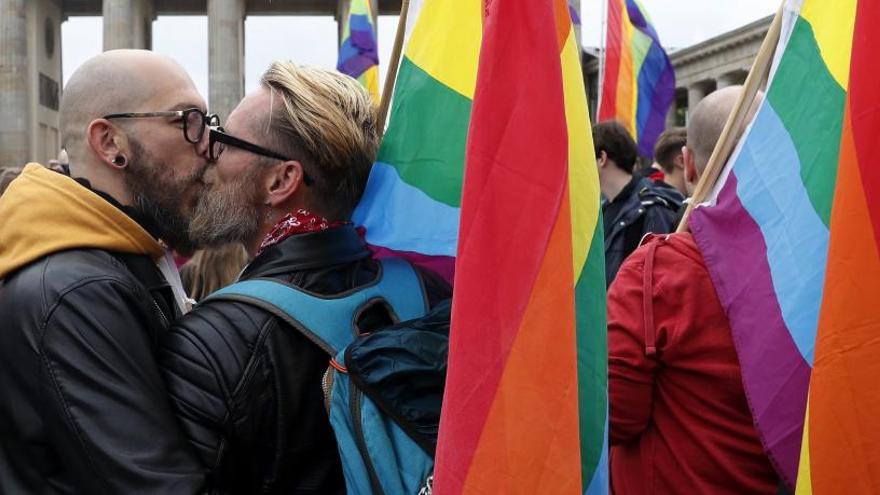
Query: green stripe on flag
pixel 812 114
pixel 425 140
pixel 592 355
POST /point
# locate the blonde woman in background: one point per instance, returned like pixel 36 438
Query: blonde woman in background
pixel 211 269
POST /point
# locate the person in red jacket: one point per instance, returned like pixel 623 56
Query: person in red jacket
pixel 680 422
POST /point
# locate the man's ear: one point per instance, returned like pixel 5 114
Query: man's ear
pixel 602 159
pixel 678 161
pixel 283 181
pixel 690 168
pixel 108 143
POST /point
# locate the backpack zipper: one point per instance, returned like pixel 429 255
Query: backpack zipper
pixel 327 385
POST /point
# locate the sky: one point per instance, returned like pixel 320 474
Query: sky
pixel 312 40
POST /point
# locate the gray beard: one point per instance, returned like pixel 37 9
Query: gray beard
pixel 230 213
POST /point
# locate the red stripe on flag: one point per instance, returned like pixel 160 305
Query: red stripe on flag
pixel 516 172
pixel 864 94
pixel 613 50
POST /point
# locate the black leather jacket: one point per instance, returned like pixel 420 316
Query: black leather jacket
pixel 642 207
pixel 83 407
pixel 248 387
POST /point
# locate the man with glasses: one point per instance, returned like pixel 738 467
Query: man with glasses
pixel 87 291
pixel 290 167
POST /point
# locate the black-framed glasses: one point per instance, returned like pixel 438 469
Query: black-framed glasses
pixel 194 120
pixel 218 140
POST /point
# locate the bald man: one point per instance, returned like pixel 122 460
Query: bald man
pixel 704 128
pixel 83 298
pixel 679 421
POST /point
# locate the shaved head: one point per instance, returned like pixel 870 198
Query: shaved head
pixel 112 82
pixel 706 122
pixel 145 159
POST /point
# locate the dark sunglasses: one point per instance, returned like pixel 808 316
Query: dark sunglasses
pixel 218 140
pixel 194 120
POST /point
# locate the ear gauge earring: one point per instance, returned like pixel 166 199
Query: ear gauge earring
pixel 119 160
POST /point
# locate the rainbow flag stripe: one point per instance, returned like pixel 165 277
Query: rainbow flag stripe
pixel 358 52
pixel 412 201
pixel 525 408
pixel 638 84
pixel 790 237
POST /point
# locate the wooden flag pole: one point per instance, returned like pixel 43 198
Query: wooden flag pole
pixel 391 76
pixel 729 136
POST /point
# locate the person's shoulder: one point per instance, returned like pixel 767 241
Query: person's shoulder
pixel 71 271
pixel 221 323
pixel 651 194
pixel 666 253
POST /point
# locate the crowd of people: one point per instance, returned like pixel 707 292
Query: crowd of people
pixel 122 375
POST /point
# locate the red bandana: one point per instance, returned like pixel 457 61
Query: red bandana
pixel 297 222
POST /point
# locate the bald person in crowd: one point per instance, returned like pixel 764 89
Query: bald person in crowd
pixel 84 296
pixel 704 129
pixel 680 422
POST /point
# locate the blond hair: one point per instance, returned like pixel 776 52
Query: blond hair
pixel 212 269
pixel 327 121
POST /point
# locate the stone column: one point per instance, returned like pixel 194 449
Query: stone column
pixel 342 8
pixel 14 88
pixel 118 24
pixel 695 93
pixel 142 23
pixel 128 24
pixel 670 115
pixel 225 55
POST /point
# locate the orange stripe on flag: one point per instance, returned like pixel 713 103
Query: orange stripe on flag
pixel 530 442
pixel 844 398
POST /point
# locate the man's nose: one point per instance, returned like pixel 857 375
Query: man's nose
pixel 204 143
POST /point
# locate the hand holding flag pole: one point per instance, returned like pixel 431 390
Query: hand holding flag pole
pixel 735 121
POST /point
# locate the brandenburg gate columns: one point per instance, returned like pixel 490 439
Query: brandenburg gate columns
pixel 14 84
pixel 30 75
pixel 225 55
pixel 127 24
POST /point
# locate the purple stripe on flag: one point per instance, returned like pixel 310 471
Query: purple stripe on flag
pixel 355 66
pixel 775 375
pixel 441 265
pixel 575 18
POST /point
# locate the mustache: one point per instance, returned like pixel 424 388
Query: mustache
pixel 199 174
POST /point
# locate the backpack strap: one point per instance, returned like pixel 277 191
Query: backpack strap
pixel 648 298
pixel 330 321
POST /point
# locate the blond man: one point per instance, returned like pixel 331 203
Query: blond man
pixel 291 165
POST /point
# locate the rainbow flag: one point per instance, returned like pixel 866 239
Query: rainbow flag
pixel 638 83
pixel 525 407
pixel 411 204
pixel 790 235
pixel 358 52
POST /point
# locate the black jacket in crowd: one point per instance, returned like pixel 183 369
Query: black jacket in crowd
pixel 642 207
pixel 83 406
pixel 247 386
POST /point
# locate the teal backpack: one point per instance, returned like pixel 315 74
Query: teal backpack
pixel 384 447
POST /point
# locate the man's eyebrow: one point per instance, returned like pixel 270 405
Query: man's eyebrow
pixel 185 106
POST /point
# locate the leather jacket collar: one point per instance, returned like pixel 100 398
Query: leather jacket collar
pixel 309 251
